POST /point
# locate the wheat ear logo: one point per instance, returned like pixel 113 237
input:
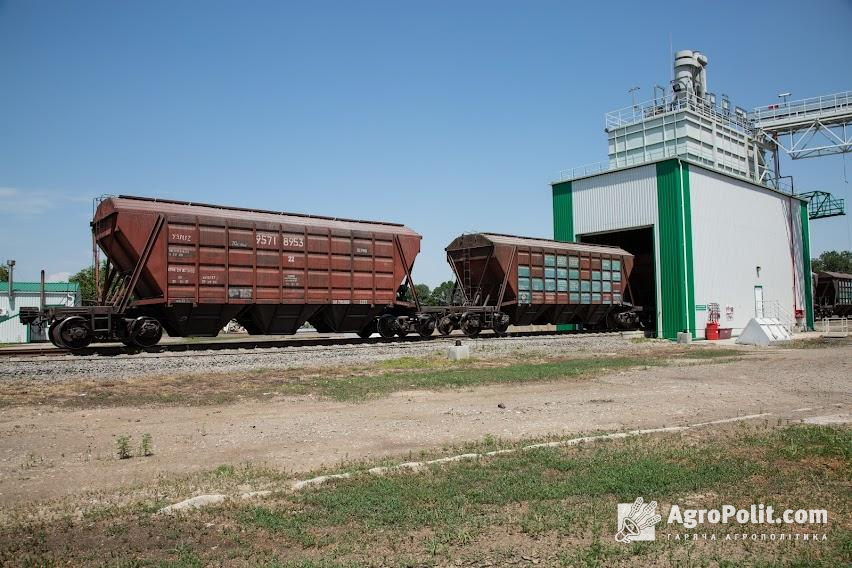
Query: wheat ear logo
pixel 636 521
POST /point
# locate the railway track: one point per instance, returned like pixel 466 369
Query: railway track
pixel 114 350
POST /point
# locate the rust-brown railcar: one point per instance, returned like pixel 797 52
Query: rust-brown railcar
pixel 527 281
pixel 191 268
pixel 833 294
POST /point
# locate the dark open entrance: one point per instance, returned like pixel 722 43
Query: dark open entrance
pixel 640 243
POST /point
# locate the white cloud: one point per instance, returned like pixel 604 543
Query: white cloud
pixel 33 203
pixel 58 277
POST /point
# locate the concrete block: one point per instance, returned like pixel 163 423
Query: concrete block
pixel 684 337
pixel 458 352
pixel 763 332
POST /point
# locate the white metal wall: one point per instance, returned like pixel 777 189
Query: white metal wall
pixel 736 227
pixel 623 199
pixel 619 200
pixel 12 330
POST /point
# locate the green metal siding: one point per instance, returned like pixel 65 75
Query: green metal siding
pixel 563 224
pixel 806 265
pixel 689 259
pixel 563 212
pixel 675 244
pixel 72 287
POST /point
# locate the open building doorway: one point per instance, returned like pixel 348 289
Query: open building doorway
pixel 639 243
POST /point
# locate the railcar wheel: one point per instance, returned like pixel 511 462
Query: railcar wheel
pixel 501 325
pixel 426 326
pixel 74 333
pixel 145 331
pixel 471 326
pixel 445 326
pixel 53 335
pixel 386 326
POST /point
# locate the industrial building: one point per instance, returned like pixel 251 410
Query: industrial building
pixel 16 295
pixel 700 237
pixel 693 189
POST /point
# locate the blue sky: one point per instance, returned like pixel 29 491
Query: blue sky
pixel 448 116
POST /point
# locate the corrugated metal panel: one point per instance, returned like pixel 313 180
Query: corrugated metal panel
pixel 36 287
pixel 209 255
pixel 615 201
pixel 563 212
pixel 804 227
pixel 737 227
pixel 11 328
pixel 675 246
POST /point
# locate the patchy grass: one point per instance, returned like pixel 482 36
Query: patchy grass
pixel 548 506
pixel 467 376
pixel 345 384
pixel 712 353
pixel 818 343
pixel 808 441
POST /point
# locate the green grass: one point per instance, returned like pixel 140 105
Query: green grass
pixel 451 496
pixel 808 441
pixel 712 353
pixel 557 504
pixel 460 376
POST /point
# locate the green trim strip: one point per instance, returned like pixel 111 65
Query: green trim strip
pixel 563 212
pixel 676 265
pixel 689 259
pixel 806 265
pixel 563 224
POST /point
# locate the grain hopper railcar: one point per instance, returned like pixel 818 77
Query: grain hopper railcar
pixel 191 268
pixel 833 294
pixel 508 280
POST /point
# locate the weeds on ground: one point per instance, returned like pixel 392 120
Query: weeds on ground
pixel 556 504
pixel 818 343
pixel 347 384
pixel 145 448
pixel 122 445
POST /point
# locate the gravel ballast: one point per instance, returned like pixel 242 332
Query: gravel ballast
pixel 56 369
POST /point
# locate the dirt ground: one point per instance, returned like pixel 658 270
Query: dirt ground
pixel 50 452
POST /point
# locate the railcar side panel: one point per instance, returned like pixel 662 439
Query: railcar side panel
pixel 272 272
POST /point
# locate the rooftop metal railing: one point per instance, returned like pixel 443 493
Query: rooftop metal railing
pixel 678 150
pixel 813 107
pixel 648 110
